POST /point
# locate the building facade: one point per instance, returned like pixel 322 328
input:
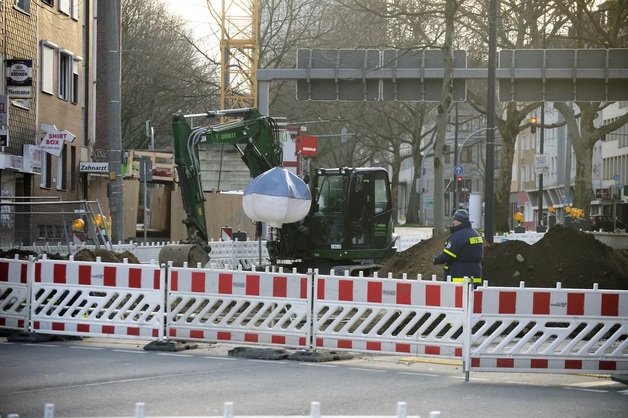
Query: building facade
pixel 47 99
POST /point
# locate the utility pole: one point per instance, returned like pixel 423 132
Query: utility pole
pixel 109 13
pixel 489 176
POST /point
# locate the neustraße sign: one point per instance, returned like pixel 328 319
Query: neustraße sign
pixel 90 167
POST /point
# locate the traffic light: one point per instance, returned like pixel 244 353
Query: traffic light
pixel 459 179
pixel 533 123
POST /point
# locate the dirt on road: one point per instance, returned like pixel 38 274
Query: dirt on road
pixel 574 258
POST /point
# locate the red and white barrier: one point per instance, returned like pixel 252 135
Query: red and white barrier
pixel 238 306
pixel 15 293
pixel 98 299
pixel 388 316
pixel 549 330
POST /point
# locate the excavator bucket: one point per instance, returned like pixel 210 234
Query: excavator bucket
pixel 192 254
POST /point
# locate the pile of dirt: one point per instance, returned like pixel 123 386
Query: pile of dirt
pixel 106 256
pixel 574 258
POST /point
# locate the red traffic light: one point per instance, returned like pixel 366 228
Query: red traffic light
pixel 459 179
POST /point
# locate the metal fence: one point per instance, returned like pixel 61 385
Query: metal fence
pixel 29 221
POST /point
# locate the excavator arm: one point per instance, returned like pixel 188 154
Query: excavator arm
pixel 256 139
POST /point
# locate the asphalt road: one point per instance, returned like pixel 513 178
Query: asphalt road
pixel 102 377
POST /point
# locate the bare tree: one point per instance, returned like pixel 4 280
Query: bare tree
pixel 162 73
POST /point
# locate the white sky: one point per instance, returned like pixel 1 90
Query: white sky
pixel 199 19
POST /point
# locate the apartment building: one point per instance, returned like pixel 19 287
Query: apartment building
pixel 44 109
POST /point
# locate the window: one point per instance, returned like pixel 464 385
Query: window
pixel 46 171
pixel 73 166
pixel 62 163
pixel 75 9
pixel 75 80
pixel 65 71
pixel 49 2
pixel 23 5
pixel 47 66
pixel 64 6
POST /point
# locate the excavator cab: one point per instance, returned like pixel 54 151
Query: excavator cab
pixel 350 221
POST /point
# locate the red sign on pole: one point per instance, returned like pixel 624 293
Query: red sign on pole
pixel 306 145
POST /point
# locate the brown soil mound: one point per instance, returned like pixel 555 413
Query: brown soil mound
pixel 575 259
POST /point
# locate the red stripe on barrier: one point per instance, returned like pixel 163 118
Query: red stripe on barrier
pixel 174 281
pixel 404 293
pixel 320 289
pixel 347 344
pixel 458 297
pixel 539 363
pixel 319 342
pixel 505 363
pixel 197 333
pixel 432 295
pixel 4 272
pixel 608 365
pixel 251 338
pixel 477 302
pixel 541 303
pixel 59 273
pixel 374 292
pixel 225 283
pixel 58 326
pixel 222 335
pixel 38 272
pixel 610 305
pixel 345 290
pixel 135 278
pixel 280 286
pixel 373 346
pixel 432 350
pixel 110 276
pixel 573 364
pixel 402 348
pixel 108 329
pixel 475 362
pixel 24 274
pixel 252 284
pixel 83 328
pixel 507 302
pixel 155 333
pixel 278 339
pixel 198 282
pixel 301 341
pixel 3 322
pixel 85 274
pixel 303 293
pixel 575 303
pixel 156 281
pixel 133 331
pixel 458 352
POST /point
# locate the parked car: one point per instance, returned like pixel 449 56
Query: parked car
pixel 606 224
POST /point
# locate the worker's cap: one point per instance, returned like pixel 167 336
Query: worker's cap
pixel 461 215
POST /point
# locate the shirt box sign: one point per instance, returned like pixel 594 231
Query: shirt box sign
pixel 91 167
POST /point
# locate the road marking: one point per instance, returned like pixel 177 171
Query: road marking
pixel 174 355
pixel 316 364
pixel 87 348
pixel 220 358
pixel 623 392
pixel 586 390
pixel 592 383
pixel 366 370
pixel 128 351
pixel 419 374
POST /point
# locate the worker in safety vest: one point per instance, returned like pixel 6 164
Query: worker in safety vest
pixel 463 251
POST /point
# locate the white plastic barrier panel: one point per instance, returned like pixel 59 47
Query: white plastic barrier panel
pixel 98 299
pixel 239 306
pixel 366 314
pixel 549 330
pixel 14 293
